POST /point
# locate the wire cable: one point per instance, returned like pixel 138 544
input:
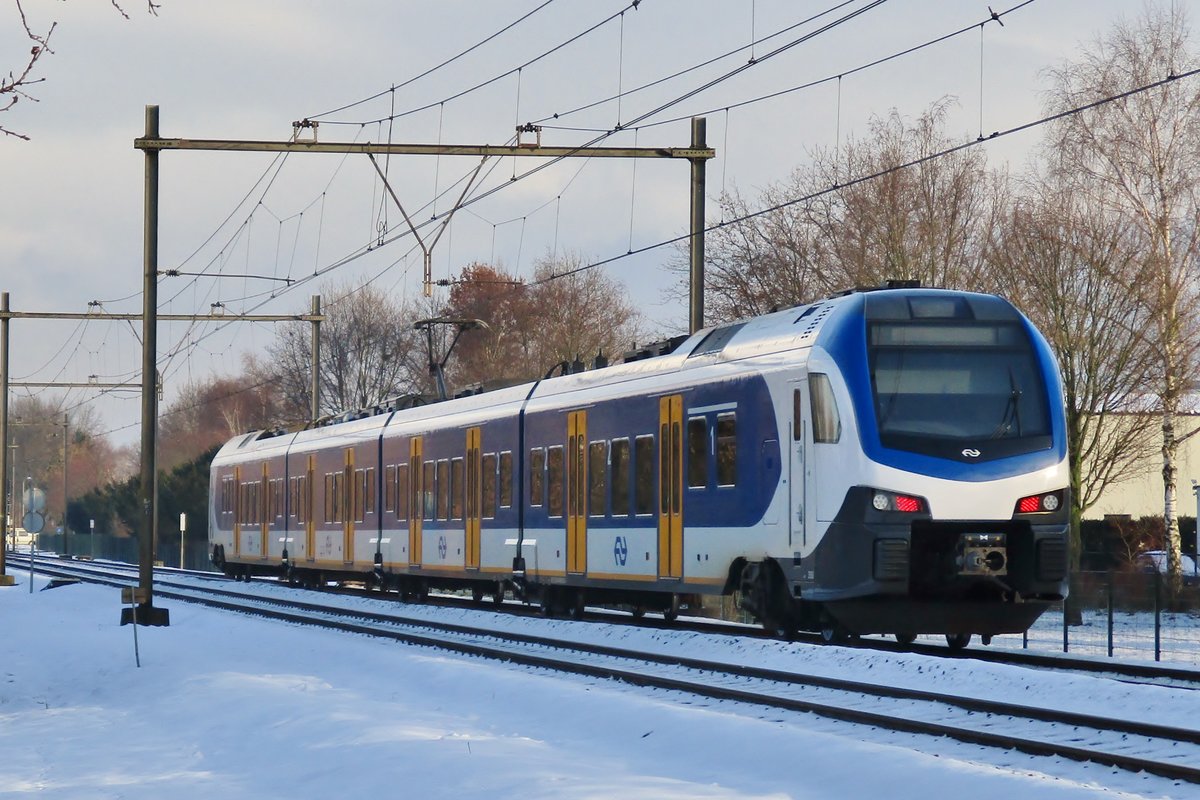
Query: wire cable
pixel 433 69
pixel 881 173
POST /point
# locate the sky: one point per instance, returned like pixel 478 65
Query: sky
pixel 241 707
pixel 71 216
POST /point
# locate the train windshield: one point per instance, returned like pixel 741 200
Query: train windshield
pixel 961 389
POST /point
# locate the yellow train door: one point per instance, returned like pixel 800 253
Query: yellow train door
pixel 474 498
pixel 576 492
pixel 670 487
pixel 416 505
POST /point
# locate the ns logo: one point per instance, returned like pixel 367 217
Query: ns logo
pixel 971 452
pixel 620 551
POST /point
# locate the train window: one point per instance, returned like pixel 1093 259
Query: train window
pixel 277 498
pixel 359 495
pixel 370 501
pixel 620 477
pixel 339 496
pixel 643 481
pixel 537 476
pixel 329 497
pixel 597 478
pixel 726 449
pixel 302 499
pixel 506 480
pixel 488 489
pixel 389 487
pixel 402 491
pixel 554 481
pixel 676 467
pixel 457 489
pixel 307 493
pixel 428 493
pixel 697 444
pixel 443 489
pixel 664 474
pixel 827 424
pixel 797 417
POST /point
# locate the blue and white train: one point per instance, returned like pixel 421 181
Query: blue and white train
pixel 887 461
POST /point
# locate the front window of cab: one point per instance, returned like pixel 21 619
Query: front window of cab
pixel 965 389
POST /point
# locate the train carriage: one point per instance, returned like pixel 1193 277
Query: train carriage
pixel 884 461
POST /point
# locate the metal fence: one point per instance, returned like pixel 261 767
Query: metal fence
pixel 1123 615
pixel 124 548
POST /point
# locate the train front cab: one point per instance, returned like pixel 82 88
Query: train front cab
pixel 952 517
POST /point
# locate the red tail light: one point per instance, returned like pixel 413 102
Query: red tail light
pixel 909 505
pixel 1035 503
pixel 1029 505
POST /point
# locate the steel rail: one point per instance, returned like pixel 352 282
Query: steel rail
pixel 1000 655
pixel 298 612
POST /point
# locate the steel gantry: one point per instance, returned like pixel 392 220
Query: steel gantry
pixel 151 144
pixel 146 613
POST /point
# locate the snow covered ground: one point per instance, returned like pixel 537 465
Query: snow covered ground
pixel 234 707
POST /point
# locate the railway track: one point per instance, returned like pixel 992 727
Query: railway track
pixel 1124 744
pixel 1161 674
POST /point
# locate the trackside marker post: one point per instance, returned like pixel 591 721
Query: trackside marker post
pixel 132 596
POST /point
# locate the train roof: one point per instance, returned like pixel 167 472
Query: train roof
pixel 793 331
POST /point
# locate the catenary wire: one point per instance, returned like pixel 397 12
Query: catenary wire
pixel 880 173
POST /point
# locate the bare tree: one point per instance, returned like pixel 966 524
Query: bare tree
pixel 498 354
pixel 1143 153
pixel 1068 262
pixel 929 221
pixel 37 433
pixel 578 313
pixel 209 412
pixel 757 264
pixel 369 353
pixel 926 222
pixel 16 86
pixel 563 314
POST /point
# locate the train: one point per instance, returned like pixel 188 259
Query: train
pixel 884 461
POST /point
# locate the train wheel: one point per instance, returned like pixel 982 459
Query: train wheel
pixel 577 605
pixel 498 594
pixel 672 613
pixel 905 638
pixel 638 612
pixel 547 604
pixel 477 595
pixel 957 641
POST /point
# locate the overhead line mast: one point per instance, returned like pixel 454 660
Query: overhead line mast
pixel 152 144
